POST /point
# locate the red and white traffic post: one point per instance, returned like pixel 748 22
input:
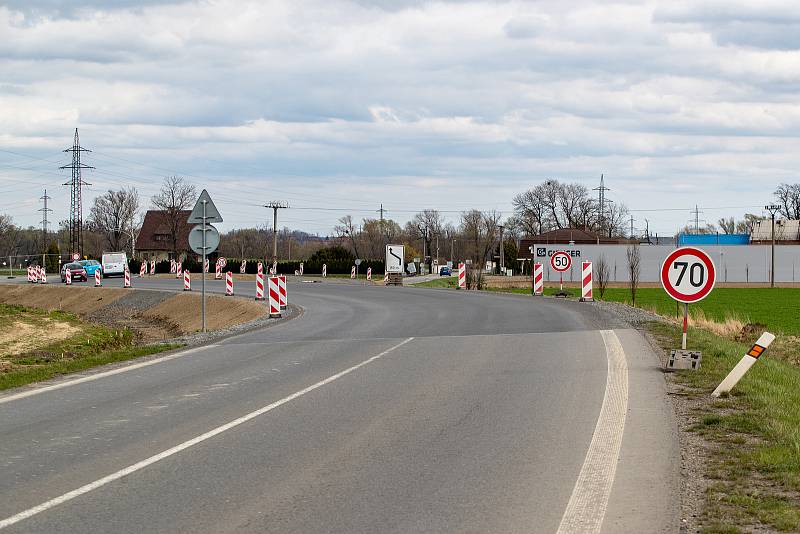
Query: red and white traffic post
pixel 688 275
pixel 152 267
pixel 538 278
pixel 352 272
pixel 68 277
pixel 369 273
pixel 744 365
pixel 97 281
pixel 143 269
pixel 30 274
pixel 127 281
pixel 274 297
pixel 178 269
pixel 218 271
pixel 42 275
pixel 260 282
pixel 324 270
pixel 283 299
pixel 187 281
pixel 462 276
pixel 243 267
pixel 586 282
pixel 172 266
pixel 205 266
pixel 229 284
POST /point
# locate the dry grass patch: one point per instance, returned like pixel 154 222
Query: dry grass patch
pixel 18 337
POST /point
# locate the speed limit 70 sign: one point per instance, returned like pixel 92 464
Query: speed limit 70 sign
pixel 688 275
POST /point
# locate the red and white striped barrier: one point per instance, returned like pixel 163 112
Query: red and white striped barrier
pixel 127 282
pixel 68 277
pixel 30 274
pixel 172 267
pixel 205 266
pixel 462 276
pixel 36 274
pixel 586 282
pixel 178 269
pixel 229 284
pixel 369 273
pixel 187 281
pixel 152 267
pixel 98 282
pixel 283 300
pixel 218 271
pixel 274 297
pixel 260 282
pixel 538 278
pixel 243 267
pixel 324 270
pixel 143 269
pixel 353 272
pixel 43 276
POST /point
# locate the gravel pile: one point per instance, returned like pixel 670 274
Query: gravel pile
pixel 633 316
pixel 130 304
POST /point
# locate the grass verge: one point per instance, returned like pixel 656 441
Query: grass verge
pixel 43 355
pixel 752 437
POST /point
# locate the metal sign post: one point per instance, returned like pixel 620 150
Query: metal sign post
pixel 204 212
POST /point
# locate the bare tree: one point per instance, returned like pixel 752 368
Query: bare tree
pixel 480 233
pixel 176 195
pixel 346 231
pixel 634 270
pixel 428 225
pixel 601 274
pixel 727 225
pixel 788 196
pixel 113 214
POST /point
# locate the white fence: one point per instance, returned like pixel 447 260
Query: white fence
pixel 744 263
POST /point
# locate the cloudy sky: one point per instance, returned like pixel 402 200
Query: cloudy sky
pixel 337 107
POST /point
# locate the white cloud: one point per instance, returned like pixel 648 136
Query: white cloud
pixel 678 102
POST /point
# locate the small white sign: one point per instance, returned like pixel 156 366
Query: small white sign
pixel 394 258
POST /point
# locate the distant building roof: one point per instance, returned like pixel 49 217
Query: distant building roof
pixel 156 233
pixel 578 236
pixel 713 239
pixel 786 230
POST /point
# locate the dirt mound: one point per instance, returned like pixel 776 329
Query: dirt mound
pixel 182 312
pixel 78 300
pixel 19 336
pixel 750 332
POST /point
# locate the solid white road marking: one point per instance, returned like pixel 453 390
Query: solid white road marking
pixel 186 444
pixel 98 376
pixel 587 505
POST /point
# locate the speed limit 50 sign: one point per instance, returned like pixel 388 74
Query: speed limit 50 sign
pixel 688 275
pixel 560 261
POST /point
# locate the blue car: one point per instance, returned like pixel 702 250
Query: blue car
pixel 445 271
pixel 91 266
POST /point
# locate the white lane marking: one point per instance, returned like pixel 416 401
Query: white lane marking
pixel 587 505
pixel 98 376
pixel 186 444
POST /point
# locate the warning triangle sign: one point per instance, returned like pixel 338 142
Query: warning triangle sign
pixel 211 212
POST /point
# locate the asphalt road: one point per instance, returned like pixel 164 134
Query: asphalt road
pixel 379 409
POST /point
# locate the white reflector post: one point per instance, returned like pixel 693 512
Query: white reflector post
pixel 744 364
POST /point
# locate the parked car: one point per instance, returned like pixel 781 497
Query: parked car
pixel 77 271
pixel 445 271
pixel 91 266
pixel 113 263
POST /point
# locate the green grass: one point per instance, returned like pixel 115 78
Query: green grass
pixel 444 281
pixel 91 346
pixel 756 431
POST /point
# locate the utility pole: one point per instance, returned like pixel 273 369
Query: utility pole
pixel 502 251
pixel 275 205
pixel 772 209
pixel 452 246
pixel 45 210
pixel 601 200
pixel 76 205
pixel 696 213
pixel 632 219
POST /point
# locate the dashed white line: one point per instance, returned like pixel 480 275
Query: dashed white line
pixel 587 505
pixel 186 444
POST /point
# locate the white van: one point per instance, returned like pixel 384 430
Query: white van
pixel 114 263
